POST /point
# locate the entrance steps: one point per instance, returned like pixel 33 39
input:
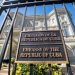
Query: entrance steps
pixel 4 71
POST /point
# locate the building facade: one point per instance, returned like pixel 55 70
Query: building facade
pixel 39 25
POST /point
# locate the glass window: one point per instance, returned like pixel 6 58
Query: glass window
pixel 53 20
pixel 0 49
pixel 64 23
pixel 65 30
pixel 62 17
pixel 36 23
pixel 73 48
pixel 8 22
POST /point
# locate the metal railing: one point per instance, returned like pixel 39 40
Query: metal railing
pixel 9 37
pixel 18 4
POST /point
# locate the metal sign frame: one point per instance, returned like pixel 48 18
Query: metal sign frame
pixel 46 62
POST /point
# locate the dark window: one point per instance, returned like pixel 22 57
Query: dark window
pixel 53 20
pixel 73 48
pixel 65 28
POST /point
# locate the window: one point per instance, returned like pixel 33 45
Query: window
pixel 65 29
pixel 8 22
pixel 64 23
pixel 62 17
pixel 53 20
pixel 36 23
pixel 0 49
pixel 73 48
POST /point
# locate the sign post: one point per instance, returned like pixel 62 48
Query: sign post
pixel 41 47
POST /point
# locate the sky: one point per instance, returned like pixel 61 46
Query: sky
pixel 40 11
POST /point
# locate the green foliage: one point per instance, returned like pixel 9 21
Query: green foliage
pixel 18 70
pixel 56 70
pixel 41 69
pixel 38 69
pixel 22 69
pixel 12 60
pixel 4 65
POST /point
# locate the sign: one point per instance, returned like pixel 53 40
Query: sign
pixel 41 47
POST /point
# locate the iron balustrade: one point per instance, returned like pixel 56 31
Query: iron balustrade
pixel 6 43
pixel 13 4
pixel 22 24
pixel 70 20
pixel 45 17
pixel 4 20
pixel 22 3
